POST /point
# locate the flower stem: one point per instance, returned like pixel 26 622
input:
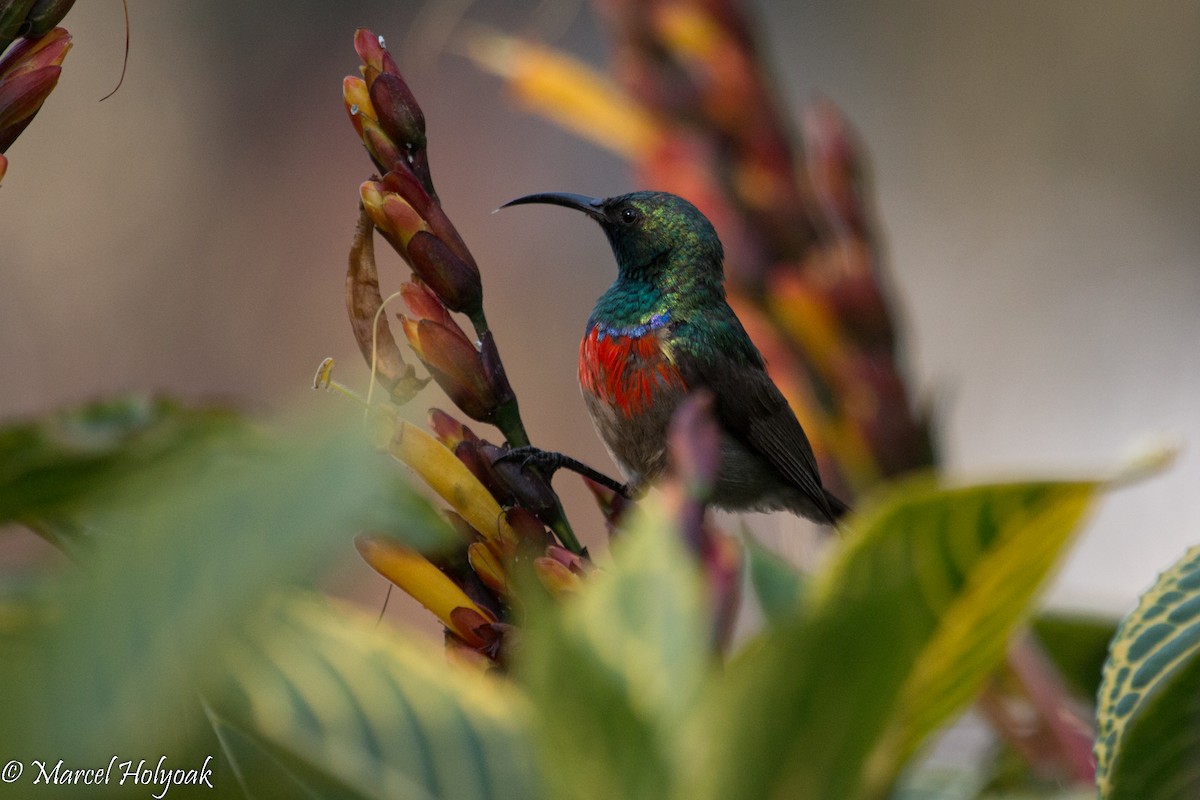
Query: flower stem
pixel 508 420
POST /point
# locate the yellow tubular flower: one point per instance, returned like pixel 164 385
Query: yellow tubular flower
pixel 413 573
pixel 487 567
pixel 569 92
pixel 451 479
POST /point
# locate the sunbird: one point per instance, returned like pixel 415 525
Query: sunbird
pixel 664 329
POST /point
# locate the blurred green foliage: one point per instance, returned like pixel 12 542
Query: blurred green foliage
pixel 178 626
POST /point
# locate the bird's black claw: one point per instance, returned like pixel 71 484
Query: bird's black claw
pixel 548 462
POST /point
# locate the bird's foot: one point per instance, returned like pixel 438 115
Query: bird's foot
pixel 548 462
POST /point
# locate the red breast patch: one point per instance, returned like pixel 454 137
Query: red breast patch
pixel 626 372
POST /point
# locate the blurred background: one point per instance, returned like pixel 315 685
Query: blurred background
pixel 1036 177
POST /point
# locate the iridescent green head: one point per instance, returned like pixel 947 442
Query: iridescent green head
pixel 652 234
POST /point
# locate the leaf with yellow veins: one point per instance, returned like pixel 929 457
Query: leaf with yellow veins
pixel 451 479
pixel 567 92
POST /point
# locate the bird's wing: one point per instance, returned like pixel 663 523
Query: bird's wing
pixel 751 408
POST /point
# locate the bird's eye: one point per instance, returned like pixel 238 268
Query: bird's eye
pixel 630 215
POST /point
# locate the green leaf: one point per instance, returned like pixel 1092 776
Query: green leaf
pixel 897 634
pixel 778 585
pixel 1148 715
pixel 615 673
pixel 1077 644
pixel 261 774
pixel 190 549
pixel 51 468
pixel 344 708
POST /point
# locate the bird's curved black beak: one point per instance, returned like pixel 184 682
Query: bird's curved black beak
pixel 592 206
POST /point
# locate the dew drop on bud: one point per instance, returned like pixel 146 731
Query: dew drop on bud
pixel 382 43
pixel 354 110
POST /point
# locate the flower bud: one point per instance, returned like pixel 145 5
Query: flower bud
pixel 31 54
pixel 375 57
pixel 405 184
pixel 21 97
pixel 453 279
pixel 487 567
pixel 395 219
pixel 382 149
pixel 448 430
pixel 424 304
pixel 398 112
pixel 478 630
pixel 530 531
pixel 558 579
pixel 567 559
pixel 612 505
pixel 358 101
pixel 454 363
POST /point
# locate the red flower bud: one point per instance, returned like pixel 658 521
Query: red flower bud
pixel 568 559
pixel 398 112
pixel 451 278
pixel 375 57
pixel 448 430
pixel 558 579
pixel 394 218
pixel 454 363
pixel 472 627
pixel 21 97
pixel 530 531
pixel 31 54
pixel 382 149
pixel 424 304
pixel 405 184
